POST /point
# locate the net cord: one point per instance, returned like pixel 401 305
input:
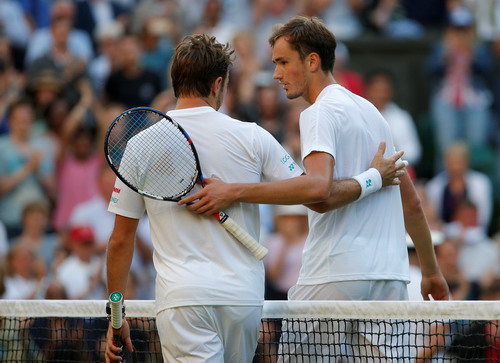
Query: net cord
pixel 456 310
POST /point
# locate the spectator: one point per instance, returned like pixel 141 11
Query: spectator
pixel 78 159
pixel 285 250
pixel 35 232
pixel 61 58
pixel 173 11
pixel 14 25
pixel 92 14
pixel 487 18
pixel 244 76
pixel 37 12
pixel 380 90
pixel 458 183
pixel 430 211
pixel 447 256
pixel 270 112
pixel 108 55
pixel 81 271
pixel 11 83
pixel 93 212
pixel 41 41
pixel 342 17
pixel 478 255
pixel 132 85
pixel 267 14
pixel 460 100
pixel 210 22
pixel 388 17
pixel 25 273
pixel 45 88
pixel 431 14
pixel 95 215
pixel 26 167
pixel 157 47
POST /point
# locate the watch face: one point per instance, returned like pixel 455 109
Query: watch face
pixel 115 297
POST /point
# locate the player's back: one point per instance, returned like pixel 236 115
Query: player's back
pixel 193 251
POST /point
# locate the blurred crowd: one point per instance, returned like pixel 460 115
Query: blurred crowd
pixel 68 67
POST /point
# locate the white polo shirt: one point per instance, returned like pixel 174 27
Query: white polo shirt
pixel 197 261
pixel 364 240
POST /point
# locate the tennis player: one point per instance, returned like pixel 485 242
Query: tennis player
pixel 207 283
pixel 357 251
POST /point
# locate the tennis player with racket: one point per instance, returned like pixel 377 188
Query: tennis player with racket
pixel 357 251
pixel 208 281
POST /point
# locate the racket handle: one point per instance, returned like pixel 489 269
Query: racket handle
pixel 241 235
pixel 116 307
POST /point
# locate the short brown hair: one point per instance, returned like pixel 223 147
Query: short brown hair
pixel 37 206
pixel 308 35
pixel 198 61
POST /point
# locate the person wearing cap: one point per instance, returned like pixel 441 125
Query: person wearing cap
pixel 459 67
pixel 81 271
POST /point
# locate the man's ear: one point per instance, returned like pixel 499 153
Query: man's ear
pixel 217 84
pixel 314 61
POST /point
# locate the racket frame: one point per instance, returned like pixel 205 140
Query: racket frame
pixel 117 120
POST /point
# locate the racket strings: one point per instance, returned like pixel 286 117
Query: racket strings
pixel 153 155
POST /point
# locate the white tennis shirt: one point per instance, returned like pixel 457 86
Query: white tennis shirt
pixel 197 261
pixel 364 240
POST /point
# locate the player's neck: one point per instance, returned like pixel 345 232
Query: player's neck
pixel 193 102
pixel 317 86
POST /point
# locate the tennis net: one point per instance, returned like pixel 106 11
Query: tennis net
pixel 291 331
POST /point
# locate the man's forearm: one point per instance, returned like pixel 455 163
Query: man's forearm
pixel 419 232
pixel 118 261
pixel 299 190
pixel 417 227
pixel 342 193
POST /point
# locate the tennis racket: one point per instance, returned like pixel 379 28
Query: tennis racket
pixel 154 156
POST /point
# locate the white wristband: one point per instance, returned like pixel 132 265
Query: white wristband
pixel 370 181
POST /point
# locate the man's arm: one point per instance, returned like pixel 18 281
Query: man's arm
pixel 118 261
pixel 343 192
pixel 433 283
pixel 315 186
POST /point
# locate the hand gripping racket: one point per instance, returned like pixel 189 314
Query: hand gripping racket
pixel 116 306
pixel 154 156
pixel 116 313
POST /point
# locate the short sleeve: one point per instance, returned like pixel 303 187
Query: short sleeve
pixel 317 131
pixel 277 164
pixel 126 202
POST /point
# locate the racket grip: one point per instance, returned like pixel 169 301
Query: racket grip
pixel 242 236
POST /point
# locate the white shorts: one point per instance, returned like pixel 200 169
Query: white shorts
pixel 209 333
pixel 330 340
pixel 351 290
